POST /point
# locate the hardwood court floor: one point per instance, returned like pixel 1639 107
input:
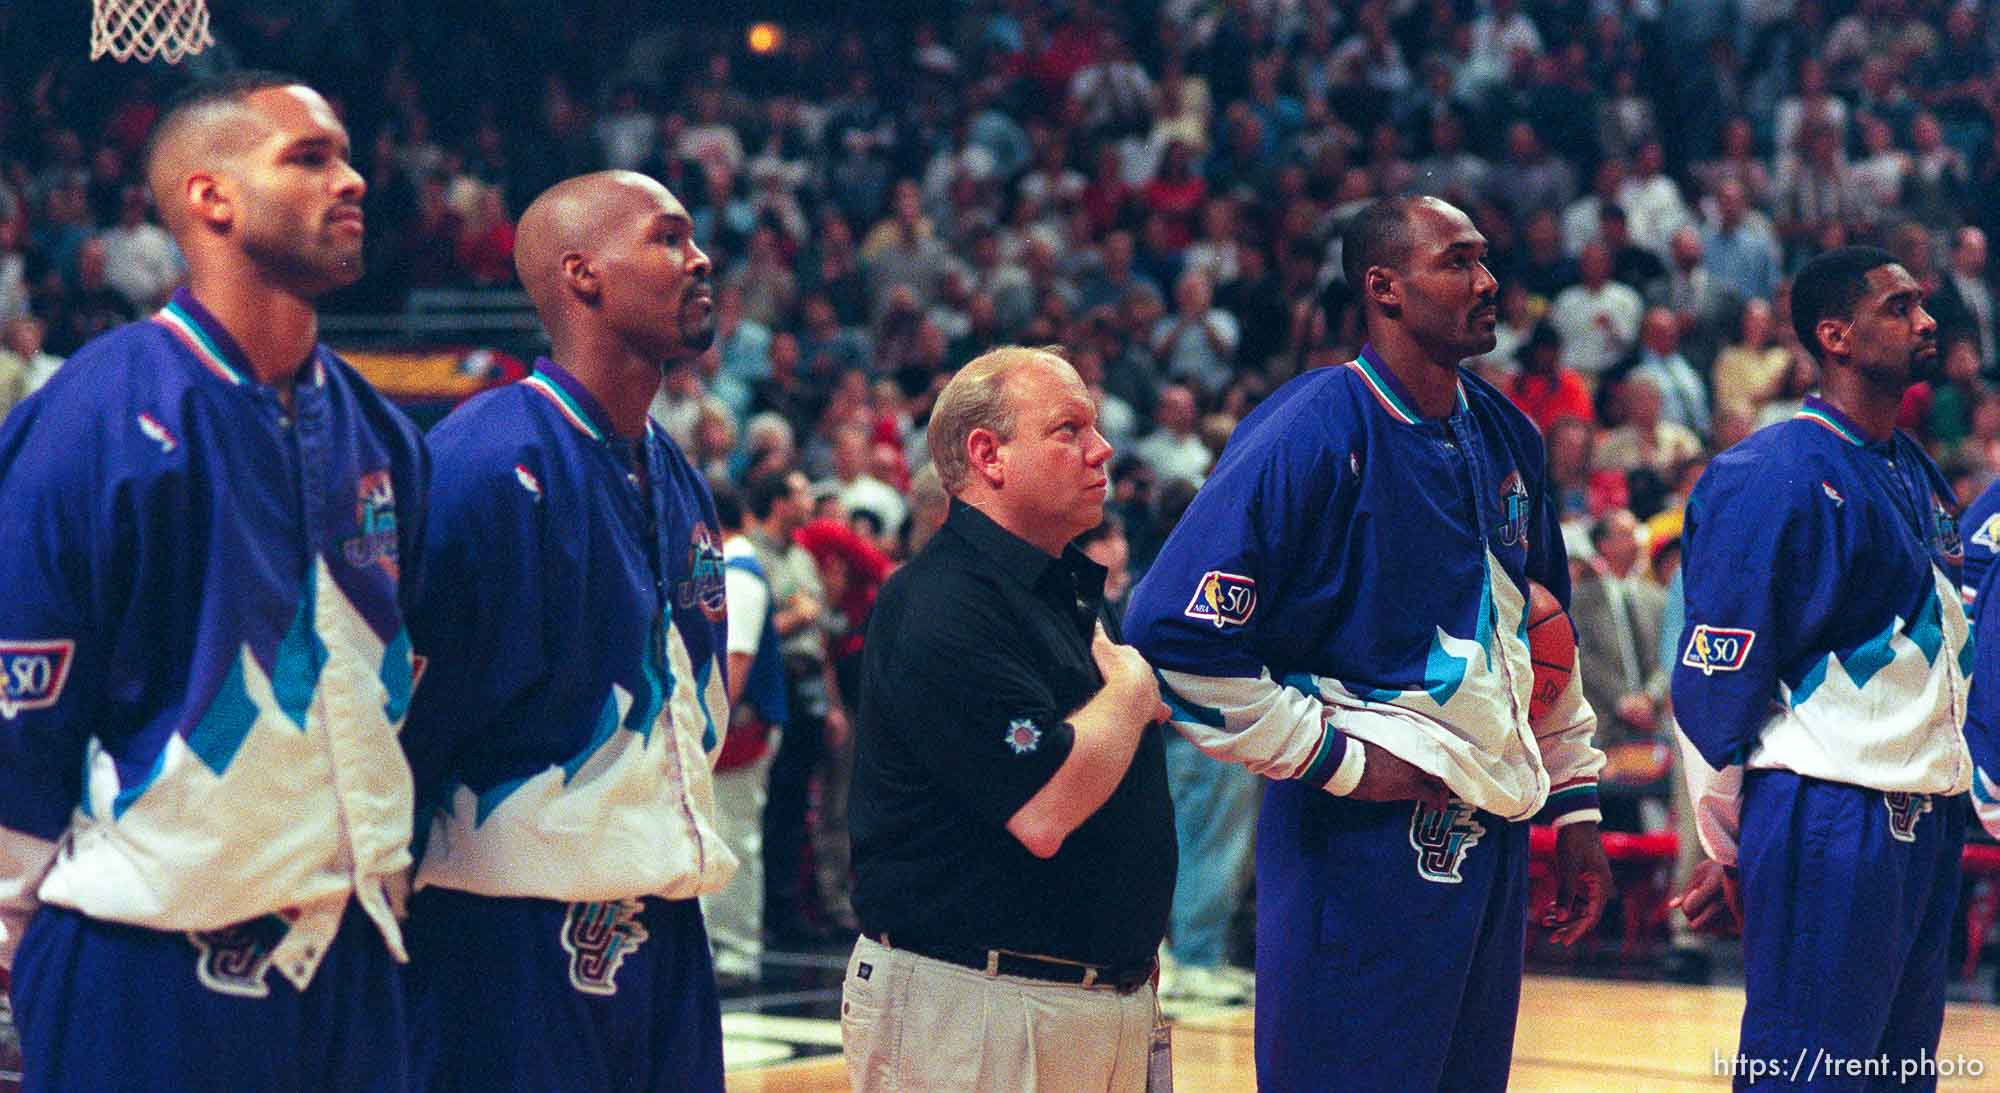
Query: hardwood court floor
pixel 1576 1036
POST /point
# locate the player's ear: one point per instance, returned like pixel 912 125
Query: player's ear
pixel 1381 285
pixel 1833 334
pixel 208 200
pixel 581 276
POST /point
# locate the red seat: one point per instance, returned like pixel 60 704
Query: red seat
pixel 1641 866
pixel 1981 865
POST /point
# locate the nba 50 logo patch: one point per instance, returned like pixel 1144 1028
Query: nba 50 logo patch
pixel 32 674
pixel 1715 649
pixel 1225 599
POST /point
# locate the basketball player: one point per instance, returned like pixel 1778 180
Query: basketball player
pixel 1821 688
pixel 573 701
pixel 1341 611
pixel 210 536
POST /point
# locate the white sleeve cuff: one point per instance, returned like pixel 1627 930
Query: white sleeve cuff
pixel 1348 774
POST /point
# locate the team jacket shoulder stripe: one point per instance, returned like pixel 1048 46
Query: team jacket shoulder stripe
pixel 191 334
pixel 1827 423
pixel 543 386
pixel 1388 398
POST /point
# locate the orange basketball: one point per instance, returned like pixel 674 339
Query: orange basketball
pixel 1552 646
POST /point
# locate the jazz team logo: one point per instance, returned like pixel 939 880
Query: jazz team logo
pixel 375 518
pixel 598 938
pixel 1225 599
pixel 1948 542
pixel 32 674
pixel 704 586
pixel 1905 809
pixel 1513 510
pixel 1441 838
pixel 1715 649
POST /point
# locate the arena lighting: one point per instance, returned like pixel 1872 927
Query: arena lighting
pixel 766 38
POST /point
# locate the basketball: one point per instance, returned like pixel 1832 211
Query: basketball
pixel 1552 647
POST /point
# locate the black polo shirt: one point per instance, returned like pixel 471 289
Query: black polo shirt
pixel 977 652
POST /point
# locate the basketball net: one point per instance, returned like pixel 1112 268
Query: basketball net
pixel 140 30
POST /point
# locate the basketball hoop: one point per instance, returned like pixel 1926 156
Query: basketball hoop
pixel 140 30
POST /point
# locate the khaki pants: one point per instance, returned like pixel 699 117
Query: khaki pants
pixel 735 915
pixel 910 1024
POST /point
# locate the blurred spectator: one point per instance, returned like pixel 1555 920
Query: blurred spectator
pixel 1738 163
pixel 1175 194
pixel 1811 107
pixel 1880 173
pixel 1963 303
pixel 1740 253
pixel 1651 200
pixel 1617 611
pixel 1571 442
pixel 21 342
pixel 1531 179
pixel 1631 264
pixel 1751 371
pixel 81 308
pixel 1685 398
pixel 1645 440
pixel 851 570
pixel 1582 221
pixel 857 488
pixel 1598 318
pixel 486 241
pixel 1197 343
pixel 141 260
pixel 625 133
pixel 1173 451
pixel 1545 390
pixel 13 270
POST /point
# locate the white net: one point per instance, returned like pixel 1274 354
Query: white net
pixel 140 30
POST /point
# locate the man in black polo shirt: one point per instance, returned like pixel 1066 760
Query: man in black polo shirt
pixel 1013 836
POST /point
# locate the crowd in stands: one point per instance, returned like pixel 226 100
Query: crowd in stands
pixel 1158 187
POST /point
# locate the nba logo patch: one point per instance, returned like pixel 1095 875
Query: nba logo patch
pixel 1988 535
pixel 1513 510
pixel 1225 599
pixel 598 938
pixel 1715 649
pixel 32 674
pixel 1441 838
pixel 1905 809
pixel 375 521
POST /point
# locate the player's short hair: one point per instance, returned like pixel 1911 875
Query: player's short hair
pixel 976 398
pixel 765 491
pixel 1828 288
pixel 194 100
pixel 1379 235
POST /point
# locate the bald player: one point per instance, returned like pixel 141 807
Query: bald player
pixel 574 700
pixel 210 539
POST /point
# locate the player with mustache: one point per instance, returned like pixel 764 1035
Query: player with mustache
pixel 574 698
pixel 1341 611
pixel 1821 693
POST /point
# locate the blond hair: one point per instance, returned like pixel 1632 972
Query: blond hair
pixel 976 398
